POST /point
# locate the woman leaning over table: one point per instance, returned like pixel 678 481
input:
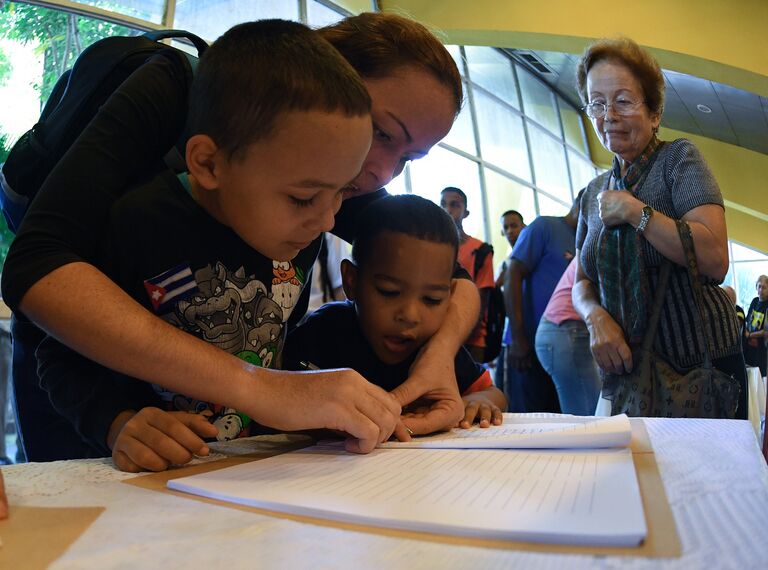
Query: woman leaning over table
pixel 650 185
pixel 416 93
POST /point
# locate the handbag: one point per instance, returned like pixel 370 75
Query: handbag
pixel 656 388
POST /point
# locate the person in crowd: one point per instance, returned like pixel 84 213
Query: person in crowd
pixel 477 258
pixel 512 224
pixel 731 292
pixel 538 260
pixel 627 225
pixel 756 328
pixel 562 346
pixel 416 94
pixel 398 284
pixel 326 273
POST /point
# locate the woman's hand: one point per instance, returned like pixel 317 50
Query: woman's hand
pixel 609 348
pixel 619 207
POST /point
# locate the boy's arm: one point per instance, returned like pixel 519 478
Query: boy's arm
pixel 486 405
pixel 122 335
pixel 153 440
pixel 432 375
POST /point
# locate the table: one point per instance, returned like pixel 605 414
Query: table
pixel 715 478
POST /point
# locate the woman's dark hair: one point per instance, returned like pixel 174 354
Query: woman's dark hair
pixel 377 44
pixel 258 70
pixel 625 51
pixel 406 214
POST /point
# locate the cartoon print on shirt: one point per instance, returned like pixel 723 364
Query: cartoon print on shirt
pixel 237 313
pixel 230 423
pixel 286 284
pixel 221 310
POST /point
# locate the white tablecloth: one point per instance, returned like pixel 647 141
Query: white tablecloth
pixel 714 475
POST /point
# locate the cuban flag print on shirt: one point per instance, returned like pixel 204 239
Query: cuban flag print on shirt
pixel 170 287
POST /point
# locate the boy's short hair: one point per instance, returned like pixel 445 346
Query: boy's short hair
pixel 258 70
pixel 513 213
pixel 458 191
pixel 406 214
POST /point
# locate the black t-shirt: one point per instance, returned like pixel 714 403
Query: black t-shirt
pixel 756 321
pixel 331 338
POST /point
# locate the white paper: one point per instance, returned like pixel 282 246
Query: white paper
pixel 576 496
pixel 569 432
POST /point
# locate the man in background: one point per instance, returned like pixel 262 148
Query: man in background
pixel 512 224
pixel 477 258
pixel 539 258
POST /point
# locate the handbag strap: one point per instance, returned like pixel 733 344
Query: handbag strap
pixel 684 230
pixel 658 303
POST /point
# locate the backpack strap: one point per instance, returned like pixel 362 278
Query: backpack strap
pixel 480 254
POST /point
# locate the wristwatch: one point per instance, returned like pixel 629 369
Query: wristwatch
pixel 644 219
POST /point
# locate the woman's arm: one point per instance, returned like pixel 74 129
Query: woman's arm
pixel 707 224
pixel 607 341
pixel 695 197
pixel 433 376
pixel 120 334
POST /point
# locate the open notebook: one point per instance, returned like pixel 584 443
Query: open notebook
pixel 570 496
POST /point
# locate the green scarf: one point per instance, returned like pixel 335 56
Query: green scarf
pixel 622 279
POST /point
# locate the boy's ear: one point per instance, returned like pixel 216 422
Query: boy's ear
pixel 349 278
pixel 466 213
pixel 203 161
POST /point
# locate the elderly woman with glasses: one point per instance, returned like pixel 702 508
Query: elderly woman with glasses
pixel 627 226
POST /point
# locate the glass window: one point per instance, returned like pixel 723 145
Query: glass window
pixel 743 253
pixel 549 163
pixel 398 185
pixel 582 171
pixel 551 207
pixel 151 10
pixel 572 126
pixel 455 52
pixel 38 45
pixel 538 101
pixel 461 135
pixel 441 168
pixel 505 194
pixel 319 15
pixel 747 273
pixel 502 139
pixel 212 18
pixel 493 71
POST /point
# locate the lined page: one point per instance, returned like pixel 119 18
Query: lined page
pixel 576 497
pixel 531 433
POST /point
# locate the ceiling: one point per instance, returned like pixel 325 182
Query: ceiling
pixel 737 117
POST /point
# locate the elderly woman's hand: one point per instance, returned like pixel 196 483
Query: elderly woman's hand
pixel 618 207
pixel 609 348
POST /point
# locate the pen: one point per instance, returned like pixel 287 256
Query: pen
pixel 306 365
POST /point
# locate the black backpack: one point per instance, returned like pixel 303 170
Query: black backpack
pixel 76 98
pixel 495 312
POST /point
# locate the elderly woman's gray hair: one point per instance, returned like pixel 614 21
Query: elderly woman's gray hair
pixel 625 51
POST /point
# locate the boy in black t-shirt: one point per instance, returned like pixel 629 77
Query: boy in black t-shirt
pixel 398 284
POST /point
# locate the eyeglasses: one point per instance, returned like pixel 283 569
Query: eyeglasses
pixel 623 107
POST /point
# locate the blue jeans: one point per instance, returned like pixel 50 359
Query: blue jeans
pixel 563 351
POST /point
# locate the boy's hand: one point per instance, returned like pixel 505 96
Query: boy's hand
pixel 153 440
pixel 478 406
pixel 339 399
